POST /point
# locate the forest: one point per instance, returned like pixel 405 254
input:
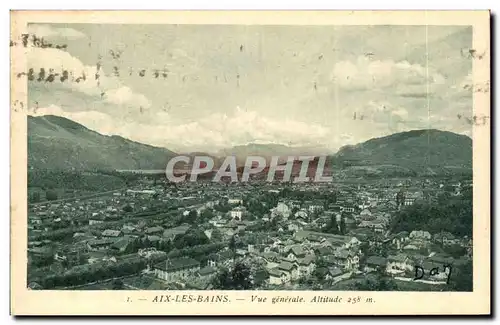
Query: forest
pixel 448 213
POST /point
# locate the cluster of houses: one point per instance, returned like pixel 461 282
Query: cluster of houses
pixel 298 247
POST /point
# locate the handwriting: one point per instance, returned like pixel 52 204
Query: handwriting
pixel 420 272
pixel 475 120
pixel 472 54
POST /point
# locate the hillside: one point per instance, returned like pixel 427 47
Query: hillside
pixel 58 143
pixel 423 152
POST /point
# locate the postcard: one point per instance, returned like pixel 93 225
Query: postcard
pixel 250 163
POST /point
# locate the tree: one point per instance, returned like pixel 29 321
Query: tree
pixel 332 226
pixel 379 283
pixel 222 280
pixel 461 277
pixel 117 284
pixel 207 214
pixel 364 248
pixel 318 272
pixel 191 217
pixel 128 208
pixel 35 197
pixel 232 244
pixel 456 251
pixel 343 229
pixel 51 195
pixel 239 278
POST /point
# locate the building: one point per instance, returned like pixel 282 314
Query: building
pixel 277 277
pixel 283 210
pixel 237 213
pixel 235 201
pixel 100 244
pixel 398 264
pixel 375 263
pixel 306 265
pixel 110 233
pixel 157 230
pixel 171 233
pixel 295 252
pixel 176 269
pixel 291 269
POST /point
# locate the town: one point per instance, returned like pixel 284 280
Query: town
pixel 349 234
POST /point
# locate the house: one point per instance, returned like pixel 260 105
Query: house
pixel 100 244
pixel 123 244
pixel 296 252
pixel 315 206
pixel 278 277
pixel 221 258
pixel 373 225
pixel 235 201
pixel 398 240
pixel 271 259
pixel 445 238
pixel 291 269
pixel 60 256
pixel 334 240
pixel 306 265
pixel 110 233
pixel 153 240
pixel 128 229
pixel 97 219
pixel 323 250
pixel 295 226
pixel 420 235
pixel 442 259
pixel 176 269
pixel 346 259
pixel 347 208
pixel 99 256
pixel 261 277
pixel 375 263
pixel 397 264
pixel 207 272
pixel 301 215
pixel 347 242
pixel 365 214
pixel 170 233
pixel 334 274
pixel 410 198
pixel 237 213
pixel 154 231
pixel 283 210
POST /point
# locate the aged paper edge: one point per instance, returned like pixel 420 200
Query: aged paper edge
pixel 27 302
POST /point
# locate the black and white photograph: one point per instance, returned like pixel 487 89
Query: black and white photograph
pixel 263 157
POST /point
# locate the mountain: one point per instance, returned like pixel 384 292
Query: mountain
pixel 269 150
pixel 55 142
pixel 424 152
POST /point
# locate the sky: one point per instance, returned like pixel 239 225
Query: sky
pixel 219 86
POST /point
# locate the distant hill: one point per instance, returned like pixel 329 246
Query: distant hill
pixel 269 150
pixel 55 142
pixel 423 152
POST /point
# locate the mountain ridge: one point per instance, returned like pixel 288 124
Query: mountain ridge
pixel 56 142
